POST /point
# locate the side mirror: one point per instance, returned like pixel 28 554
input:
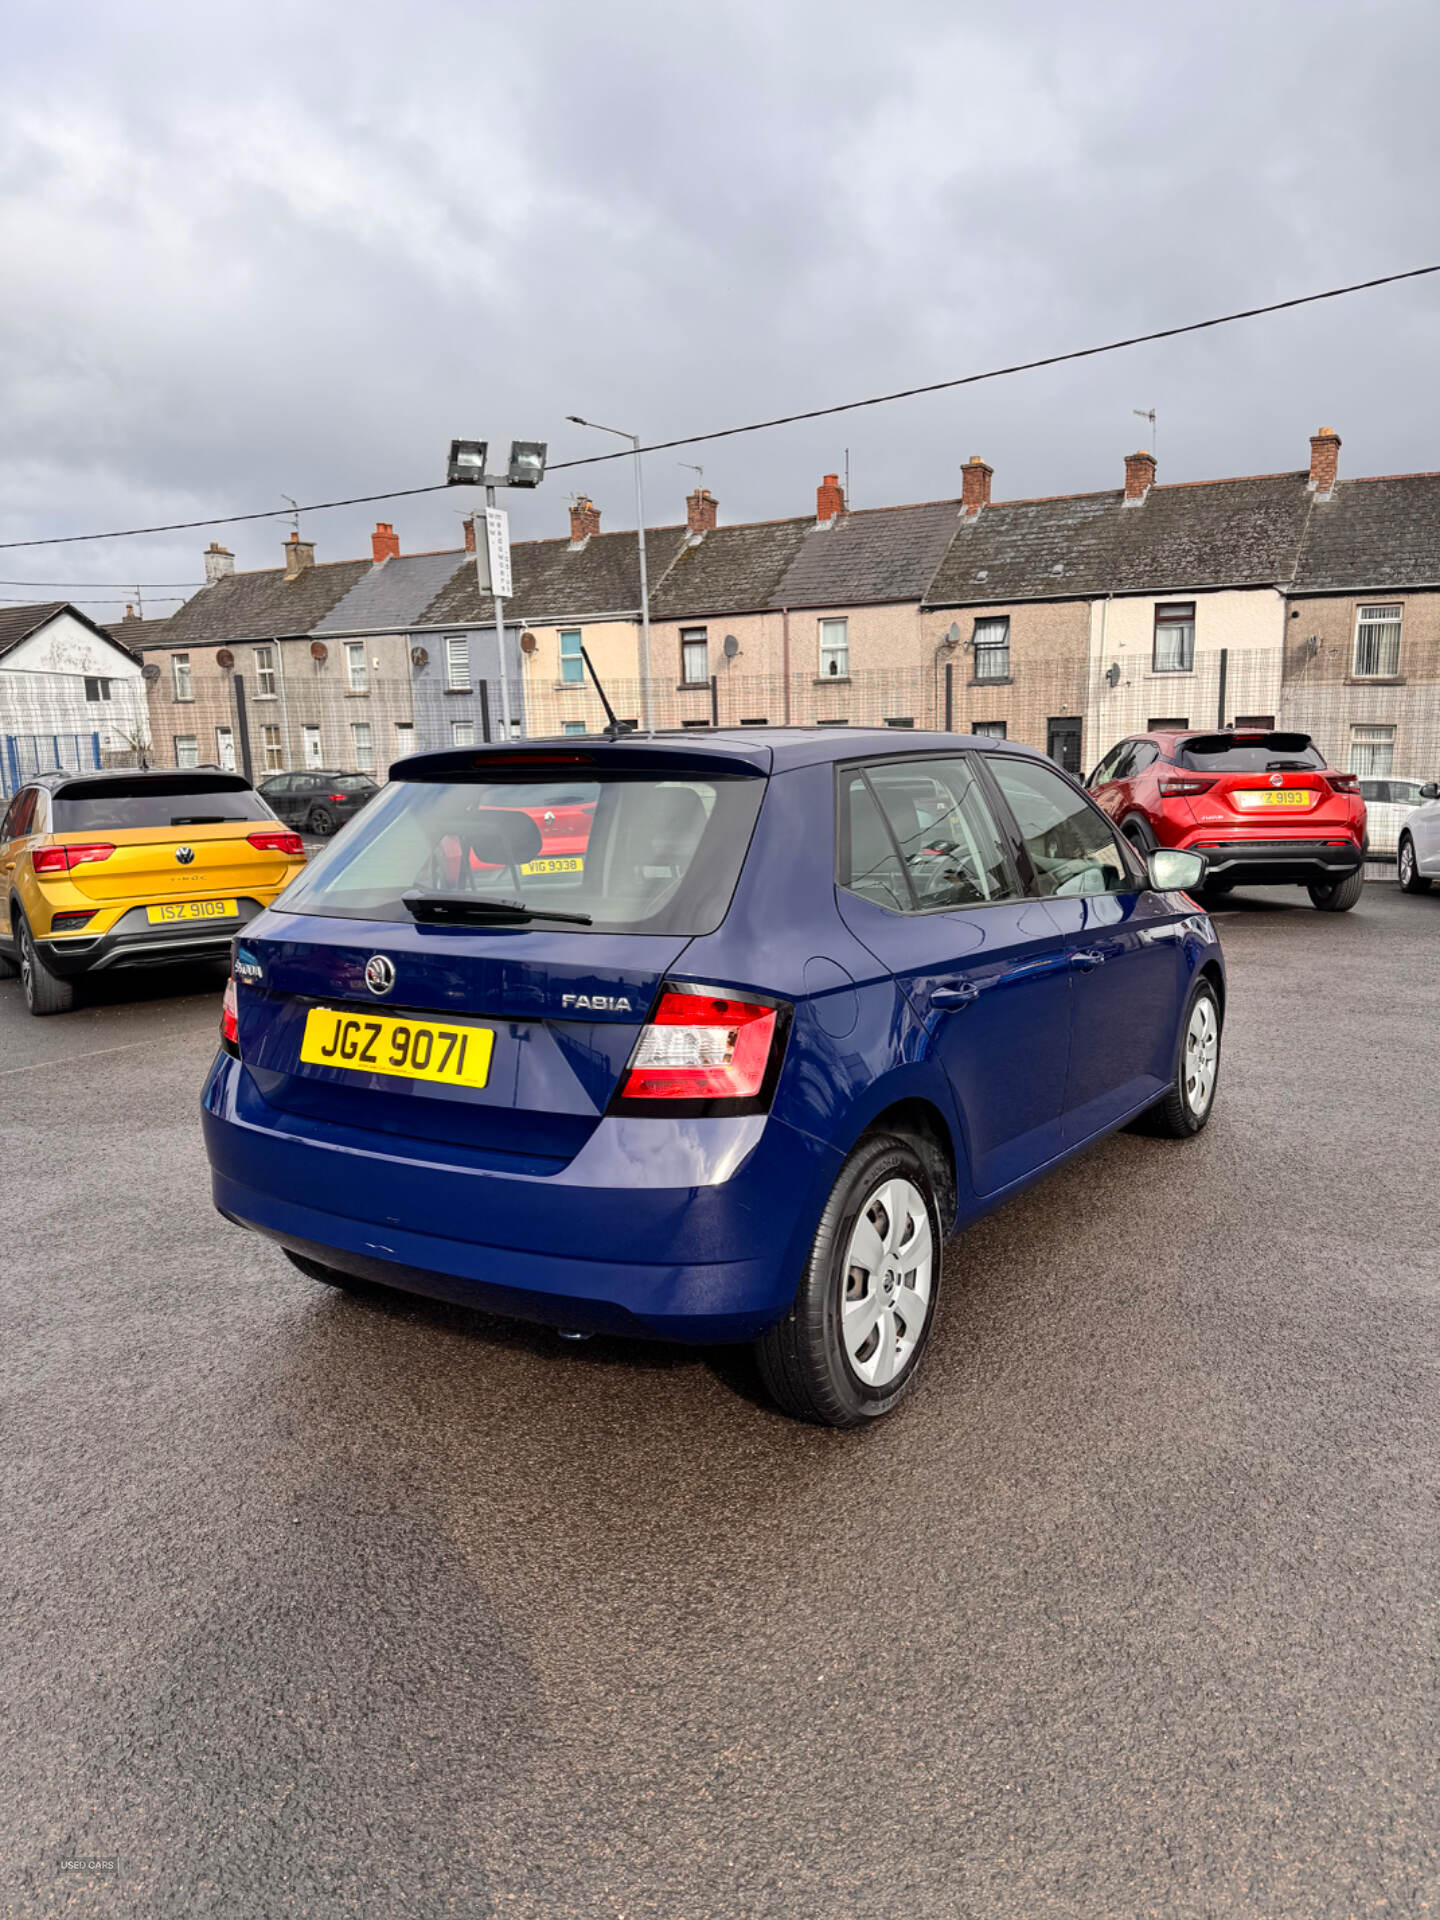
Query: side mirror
pixel 1171 870
pixel 1430 791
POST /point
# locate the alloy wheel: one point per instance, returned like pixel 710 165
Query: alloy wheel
pixel 1406 863
pixel 27 963
pixel 889 1272
pixel 1202 1055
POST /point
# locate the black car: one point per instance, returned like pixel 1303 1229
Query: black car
pixel 317 802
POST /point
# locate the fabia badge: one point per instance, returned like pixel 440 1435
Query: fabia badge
pixel 379 973
pixel 184 855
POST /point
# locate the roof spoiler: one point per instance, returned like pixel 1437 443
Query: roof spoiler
pixel 631 754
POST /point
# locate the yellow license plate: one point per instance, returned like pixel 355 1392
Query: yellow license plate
pixel 191 910
pixel 456 1056
pixel 1282 797
pixel 566 865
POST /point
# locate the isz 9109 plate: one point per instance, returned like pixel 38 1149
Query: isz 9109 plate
pixel 365 1043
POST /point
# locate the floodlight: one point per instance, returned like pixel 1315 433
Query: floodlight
pixel 467 463
pixel 527 463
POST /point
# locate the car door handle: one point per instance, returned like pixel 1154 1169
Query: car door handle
pixel 1087 959
pixel 963 994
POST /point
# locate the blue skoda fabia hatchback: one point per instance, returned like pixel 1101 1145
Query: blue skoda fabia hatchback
pixel 709 1038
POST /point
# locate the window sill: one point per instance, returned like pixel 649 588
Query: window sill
pixel 463 693
pixel 568 686
pixel 265 696
pixel 1375 680
pixel 1008 681
pixel 352 693
pixel 832 680
pixel 1173 673
pixel 692 686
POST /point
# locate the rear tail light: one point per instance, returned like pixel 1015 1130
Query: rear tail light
pixel 61 859
pixel 1344 782
pixel 703 1046
pixel 229 1019
pixel 1174 786
pixel 273 840
pixel 337 799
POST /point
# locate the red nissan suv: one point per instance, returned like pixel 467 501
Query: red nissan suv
pixel 1263 808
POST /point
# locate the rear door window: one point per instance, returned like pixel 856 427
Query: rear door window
pixel 21 815
pixel 621 852
pixel 921 837
pixel 1070 845
pixel 163 800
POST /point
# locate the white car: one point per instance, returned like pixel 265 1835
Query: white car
pixel 1417 858
pixel 1388 804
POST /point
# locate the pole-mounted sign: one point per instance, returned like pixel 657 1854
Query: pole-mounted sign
pixel 497 552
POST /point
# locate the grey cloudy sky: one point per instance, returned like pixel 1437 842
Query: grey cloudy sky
pixel 247 251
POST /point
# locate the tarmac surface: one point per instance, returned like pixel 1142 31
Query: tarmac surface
pixel 323 1606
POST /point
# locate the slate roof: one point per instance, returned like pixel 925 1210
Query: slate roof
pixel 18 623
pixel 261 606
pixel 886 554
pixel 1216 533
pixel 136 633
pixel 733 570
pixel 392 595
pixel 555 581
pixel 1379 535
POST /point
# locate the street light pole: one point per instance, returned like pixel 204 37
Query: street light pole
pixel 646 704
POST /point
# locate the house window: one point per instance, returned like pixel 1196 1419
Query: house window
pixel 274 750
pixel 1377 643
pixel 457 663
pixel 991 644
pixel 180 677
pixel 834 649
pixel 759 720
pixel 1171 725
pixel 694 657
pixel 832 723
pixel 404 736
pixel 187 750
pixel 572 667
pixel 1174 637
pixel 462 733
pixel 264 673
pixel 363 746
pixel 1372 752
pixel 96 689
pixel 225 748
pixel 575 726
pixel 901 723
pixel 989 729
pixel 357 675
pixel 694 723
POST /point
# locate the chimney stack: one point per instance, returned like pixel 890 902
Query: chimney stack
pixel 384 542
pixel 1139 477
pixel 218 562
pixel 701 509
pixel 584 520
pixel 299 554
pixel 829 499
pixel 469 525
pixel 975 478
pixel 1324 462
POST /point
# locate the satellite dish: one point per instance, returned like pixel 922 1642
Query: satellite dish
pixel 419 657
pixel 150 672
pixel 319 652
pixel 1112 675
pixel 731 646
pixel 225 658
pixel 528 642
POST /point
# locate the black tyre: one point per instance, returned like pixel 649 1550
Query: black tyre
pixel 851 1344
pixel 1340 896
pixel 1407 868
pixel 321 822
pixel 332 1276
pixel 45 992
pixel 1187 1104
pixel 1137 832
pixel 1216 889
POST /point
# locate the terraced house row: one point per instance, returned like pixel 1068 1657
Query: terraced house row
pixel 1295 598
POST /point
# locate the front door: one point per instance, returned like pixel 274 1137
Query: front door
pixel 311 738
pixel 1121 938
pixel 225 747
pixel 928 885
pixel 1062 743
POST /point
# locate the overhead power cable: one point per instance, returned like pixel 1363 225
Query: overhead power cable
pixel 762 426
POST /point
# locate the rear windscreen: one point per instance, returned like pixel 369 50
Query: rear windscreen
pixel 348 782
pixel 633 854
pixel 169 800
pixel 1248 753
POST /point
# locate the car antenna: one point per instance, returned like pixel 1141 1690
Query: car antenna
pixel 614 730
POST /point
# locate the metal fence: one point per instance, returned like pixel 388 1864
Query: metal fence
pixel 23 755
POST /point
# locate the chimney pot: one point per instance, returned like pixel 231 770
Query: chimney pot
pixel 299 554
pixel 975 478
pixel 469 525
pixel 1324 461
pixel 384 542
pixel 829 499
pixel 218 562
pixel 584 520
pixel 701 510
pixel 1139 476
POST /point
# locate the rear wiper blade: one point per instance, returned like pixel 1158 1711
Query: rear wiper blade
pixel 447 907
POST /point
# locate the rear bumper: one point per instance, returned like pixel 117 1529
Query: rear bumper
pixel 1277 863
pixel 680 1230
pixel 133 942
